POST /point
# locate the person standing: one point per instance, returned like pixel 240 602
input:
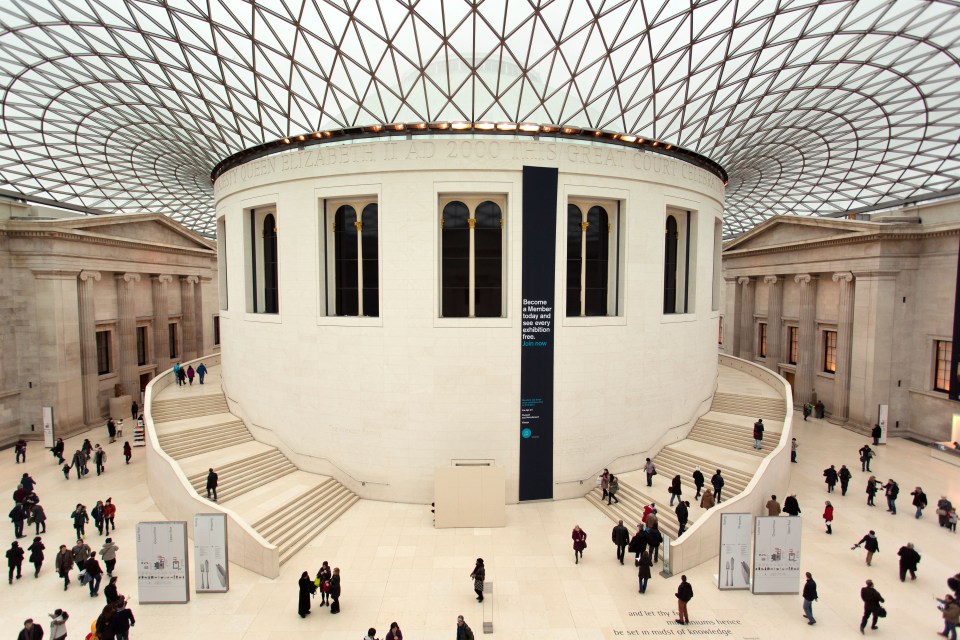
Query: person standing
pixel 36 555
pixel 39 518
pixel 951 616
pixel 706 500
pixel 64 563
pixel 479 574
pixel 758 433
pixel 698 480
pixel 201 372
pixel 463 629
pixel 684 595
pixel 579 542
pixel 830 477
pixel 394 633
pixel 891 491
pixel 875 433
pixel 654 540
pixel 621 538
pixel 872 488
pixel 112 429
pixel 909 559
pixel 99 458
pixel 844 475
pixel 828 517
pixel 14 561
pixel 109 513
pixel 190 374
pixel 819 410
pixel 717 482
pixel 773 507
pixel 58 624
pixel 122 620
pixel 613 489
pixel 651 470
pixel 212 480
pixel 791 506
pixel 20 450
pixel 109 554
pixel 793 450
pixel 643 572
pixel 869 543
pixel 80 553
pixel 675 489
pixel 919 501
pixel 307 589
pixel 371 634
pixel 30 631
pixel 683 515
pixel 809 595
pixel 871 605
pixel 335 591
pixel 18 516
pixel 134 410
pixel 97 514
pixel 866 454
pixel 127 452
pixel 323 576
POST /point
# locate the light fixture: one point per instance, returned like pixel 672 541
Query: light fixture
pixel 397 126
pixel 549 128
pixel 628 138
pixel 286 141
pixel 668 147
pixel 301 138
pixel 483 126
pixel 460 126
pixel 529 127
pixel 655 143
pixel 375 128
pixel 419 126
pixel 441 126
pixel 570 130
pixel 317 134
pixel 506 126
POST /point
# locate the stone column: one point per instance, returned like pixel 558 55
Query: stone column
pixel 747 338
pixel 198 315
pixel 188 348
pixel 161 318
pixel 733 320
pixel 807 357
pixel 774 321
pixel 841 380
pixel 875 304
pixel 127 325
pixel 88 347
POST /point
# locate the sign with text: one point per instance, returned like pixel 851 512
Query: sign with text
pixel 536 328
pixel 162 575
pixel 735 532
pixel 211 568
pixel 47 426
pixel 776 554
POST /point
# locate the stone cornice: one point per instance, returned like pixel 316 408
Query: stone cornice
pixel 872 236
pixel 130 243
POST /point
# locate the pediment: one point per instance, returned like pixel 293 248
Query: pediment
pixel 779 232
pixel 151 229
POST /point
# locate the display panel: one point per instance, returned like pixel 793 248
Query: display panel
pixel 776 554
pixel 162 576
pixel 211 568
pixel 735 532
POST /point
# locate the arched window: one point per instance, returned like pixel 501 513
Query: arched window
pixel 262 260
pixel 369 254
pixel 670 266
pixel 355 259
pixel 592 258
pixel 346 299
pixel 271 293
pixel 679 261
pixel 471 259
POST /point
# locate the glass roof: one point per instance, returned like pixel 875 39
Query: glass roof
pixel 813 108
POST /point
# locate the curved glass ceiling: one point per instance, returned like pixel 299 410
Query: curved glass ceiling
pixel 813 108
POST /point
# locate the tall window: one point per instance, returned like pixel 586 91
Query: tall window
pixel 830 351
pixel 679 262
pixel 355 288
pixel 471 258
pixel 271 293
pixel 941 381
pixel 720 330
pixel 103 353
pixel 216 330
pixel 141 346
pixel 793 334
pixel 263 261
pixel 762 340
pixel 172 336
pixel 592 259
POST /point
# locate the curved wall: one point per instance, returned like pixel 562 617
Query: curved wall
pixel 387 399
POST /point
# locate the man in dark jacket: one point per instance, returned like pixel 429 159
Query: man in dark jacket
pixel 212 480
pixel 809 595
pixel 14 560
pixel 654 540
pixel 875 433
pixel 638 543
pixel 17 516
pixel 866 455
pixel 909 559
pixel 891 491
pixel 122 620
pixel 870 543
pixel 845 476
pixel 684 595
pixel 758 434
pixel 621 538
pixel 871 605
pixel 30 631
pixel 93 569
pixel 830 477
pixel 717 482
pixel 698 481
pixel 683 514
pixel 791 505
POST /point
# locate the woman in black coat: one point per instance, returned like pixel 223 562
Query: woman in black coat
pixel 307 589
pixel 675 490
pixel 643 573
pixel 335 591
pixel 36 555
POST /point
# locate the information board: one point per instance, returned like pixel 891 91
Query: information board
pixel 735 532
pixel 162 576
pixel 211 569
pixel 776 554
pixel 47 426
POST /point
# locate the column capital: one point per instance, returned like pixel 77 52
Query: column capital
pixel 846 276
pixel 127 277
pixel 745 280
pixel 190 279
pixel 89 275
pixel 772 279
pixel 804 278
pixel 162 278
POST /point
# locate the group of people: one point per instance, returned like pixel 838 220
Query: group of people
pixel 186 376
pixel 327 582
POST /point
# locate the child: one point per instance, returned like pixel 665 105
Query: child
pixel 120 428
pixel 66 472
pixel 952 520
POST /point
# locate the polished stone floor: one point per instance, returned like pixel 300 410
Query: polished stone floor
pixel 396 567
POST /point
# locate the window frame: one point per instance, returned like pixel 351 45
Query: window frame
pixel 942 365
pixel 793 344
pixel 216 329
pixel 173 339
pixel 106 344
pixel 762 339
pixel 829 338
pixel 329 208
pixel 143 346
pixel 614 209
pixel 685 268
pixel 255 255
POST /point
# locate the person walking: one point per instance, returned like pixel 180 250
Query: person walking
pixel 684 595
pixel 706 500
pixel 875 433
pixel 99 458
pixel 109 554
pixel 791 505
pixel 36 555
pixel 873 485
pixel 638 544
pixel 112 429
pixel 809 595
pixel 93 569
pixel 122 620
pixel 323 579
pixel 793 450
pixel 371 634
pixel 654 540
pixel 698 480
pixel 39 519
pixel 127 452
pixel 807 410
pixel 109 513
pixel 112 592
pixel 951 616
pixel 80 519
pixel 30 631
pixel 20 451
pixel 335 591
pixel 870 543
pixel 675 489
pixel 80 552
pixel 758 434
pixel 773 507
pixel 643 571
pixel 57 450
pixel 828 517
pixel 651 470
pixel 919 501
pixel 683 515
pixel 909 559
pixel 463 629
pixel 176 372
pixel 201 372
pixel 819 410
pixel 79 463
pixel 134 410
pixel 871 605
pixel 14 561
pixel 97 514
pixel 844 475
pixel 58 624
pixel 394 633
pixel 604 483
pixel 307 589
pixel 717 482
pixel 891 490
pixel 479 574
pixel 18 516
pixel 621 538
pixel 64 564
pixel 866 455
pixel 212 480
pixel 190 374
pixel 613 489
pixel 830 477
pixel 579 542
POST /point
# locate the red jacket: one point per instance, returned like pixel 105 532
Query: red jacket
pixel 828 514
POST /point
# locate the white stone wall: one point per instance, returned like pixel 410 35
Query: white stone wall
pixel 385 400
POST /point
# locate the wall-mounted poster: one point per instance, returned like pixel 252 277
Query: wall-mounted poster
pixel 735 532
pixel 776 554
pixel 162 575
pixel 210 561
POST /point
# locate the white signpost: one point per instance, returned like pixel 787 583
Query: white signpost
pixel 162 575
pixel 882 421
pixel 776 554
pixel 211 568
pixel 735 534
pixel 47 426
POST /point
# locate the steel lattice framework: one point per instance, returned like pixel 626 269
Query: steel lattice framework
pixel 813 108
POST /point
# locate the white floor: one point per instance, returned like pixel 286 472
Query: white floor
pixel 396 567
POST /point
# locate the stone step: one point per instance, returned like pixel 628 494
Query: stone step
pixel 235 468
pixel 175 409
pixel 295 508
pixel 200 434
pixel 188 444
pixel 308 533
pixel 683 463
pixel 257 474
pixel 748 405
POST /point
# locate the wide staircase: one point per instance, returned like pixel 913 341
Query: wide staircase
pixel 721 439
pixel 286 506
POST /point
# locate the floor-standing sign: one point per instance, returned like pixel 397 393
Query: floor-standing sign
pixel 210 559
pixel 883 412
pixel 536 346
pixel 735 532
pixel 162 575
pixel 776 554
pixel 47 413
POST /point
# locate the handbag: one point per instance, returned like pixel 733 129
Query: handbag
pixel 881 612
pixel 325 586
pixel 84 577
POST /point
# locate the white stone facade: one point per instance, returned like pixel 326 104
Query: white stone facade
pixel 379 402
